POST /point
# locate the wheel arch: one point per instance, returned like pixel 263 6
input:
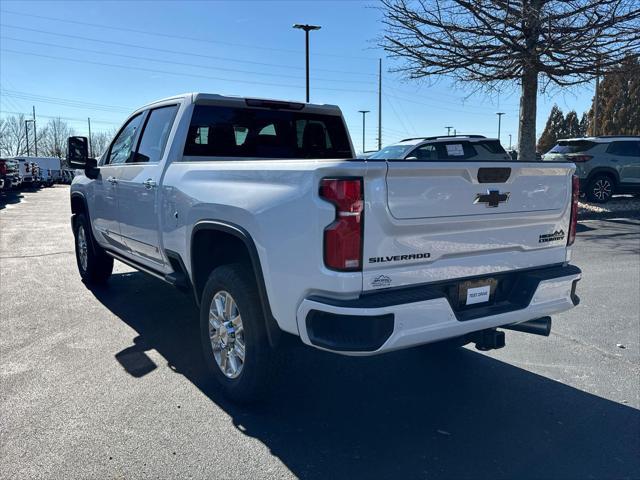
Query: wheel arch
pixel 611 172
pixel 239 246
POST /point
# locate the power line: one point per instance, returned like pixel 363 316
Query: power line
pixel 170 62
pixel 176 52
pixel 465 104
pixel 64 101
pixel 180 37
pixel 180 74
pixel 70 119
pixel 437 107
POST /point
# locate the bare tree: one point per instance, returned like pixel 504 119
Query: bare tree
pixel 489 42
pixel 100 141
pixel 54 141
pixel 13 140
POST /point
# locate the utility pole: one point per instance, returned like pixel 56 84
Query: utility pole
pixel 595 106
pixel 364 113
pixel 448 130
pixel 509 141
pixel 26 135
pixel 499 122
pixel 307 29
pixel 379 104
pixel 35 132
pixel 455 132
pixel 90 146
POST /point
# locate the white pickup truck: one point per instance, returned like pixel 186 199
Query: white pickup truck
pixel 258 208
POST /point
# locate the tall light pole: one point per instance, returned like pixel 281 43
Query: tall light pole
pixel 509 141
pixel 26 133
pixel 35 132
pixel 364 113
pixel 448 130
pixel 307 29
pixel 499 121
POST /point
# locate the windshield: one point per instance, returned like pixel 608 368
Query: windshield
pixel 572 147
pixel 393 151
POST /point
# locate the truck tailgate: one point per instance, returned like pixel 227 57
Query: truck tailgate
pixel 445 220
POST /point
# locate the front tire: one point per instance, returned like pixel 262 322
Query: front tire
pixel 600 189
pixel 233 333
pixel 94 265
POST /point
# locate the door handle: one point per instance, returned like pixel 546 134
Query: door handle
pixel 149 184
pixel 112 180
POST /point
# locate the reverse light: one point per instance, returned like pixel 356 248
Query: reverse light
pixel 343 238
pixel 573 221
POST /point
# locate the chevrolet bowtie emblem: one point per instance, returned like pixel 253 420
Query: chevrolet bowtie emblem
pixel 492 198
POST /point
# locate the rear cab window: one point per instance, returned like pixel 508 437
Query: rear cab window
pixel 237 132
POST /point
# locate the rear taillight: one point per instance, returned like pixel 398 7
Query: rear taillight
pixel 343 238
pixel 573 222
pixel 580 158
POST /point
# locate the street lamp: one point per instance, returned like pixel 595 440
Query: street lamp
pixel 364 113
pixel 307 29
pixel 499 118
pixel 509 141
pixel 448 130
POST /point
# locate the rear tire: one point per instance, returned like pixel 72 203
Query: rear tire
pixel 600 188
pixel 233 334
pixel 94 265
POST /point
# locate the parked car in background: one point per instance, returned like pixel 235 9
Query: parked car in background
pixel 50 169
pixel 26 171
pixel 605 165
pixel 445 148
pixel 9 174
pixel 66 177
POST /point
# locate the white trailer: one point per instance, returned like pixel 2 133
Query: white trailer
pixel 50 169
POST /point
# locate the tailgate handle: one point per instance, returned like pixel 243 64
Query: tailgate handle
pixel 493 175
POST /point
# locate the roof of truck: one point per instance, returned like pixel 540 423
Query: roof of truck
pixel 235 100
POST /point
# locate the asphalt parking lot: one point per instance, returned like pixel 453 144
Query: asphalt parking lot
pixel 109 383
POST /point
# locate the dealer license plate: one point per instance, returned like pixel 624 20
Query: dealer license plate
pixel 473 292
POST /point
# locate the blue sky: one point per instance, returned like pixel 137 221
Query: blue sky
pixel 107 58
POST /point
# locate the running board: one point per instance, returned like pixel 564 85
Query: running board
pixel 174 278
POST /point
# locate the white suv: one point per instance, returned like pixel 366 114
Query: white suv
pixel 446 148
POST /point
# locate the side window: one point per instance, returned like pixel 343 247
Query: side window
pixel 123 144
pixel 155 135
pixel 425 152
pixel 625 149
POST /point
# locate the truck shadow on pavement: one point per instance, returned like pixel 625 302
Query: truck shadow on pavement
pixel 409 414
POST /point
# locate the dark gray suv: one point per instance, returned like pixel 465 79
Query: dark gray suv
pixel 605 165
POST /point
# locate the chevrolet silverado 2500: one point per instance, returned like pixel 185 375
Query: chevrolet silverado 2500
pixel 259 209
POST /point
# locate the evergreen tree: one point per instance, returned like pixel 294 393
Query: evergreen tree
pixel 619 104
pixel 584 125
pixel 572 125
pixel 554 129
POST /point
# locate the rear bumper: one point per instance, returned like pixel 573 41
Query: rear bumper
pixel 401 318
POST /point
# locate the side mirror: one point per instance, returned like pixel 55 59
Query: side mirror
pixel 78 156
pixel 77 152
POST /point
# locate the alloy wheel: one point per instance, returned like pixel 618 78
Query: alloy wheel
pixel 602 189
pixel 226 333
